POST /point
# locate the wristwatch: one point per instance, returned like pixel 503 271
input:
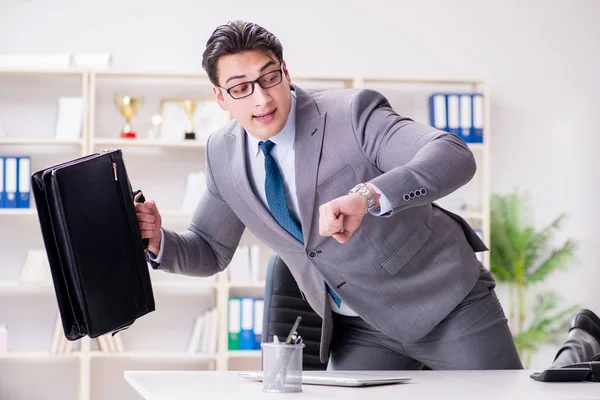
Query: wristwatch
pixel 366 193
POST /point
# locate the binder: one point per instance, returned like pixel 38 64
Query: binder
pixel 10 182
pixel 23 186
pixel 466 117
pixel 477 118
pixel 438 111
pixel 452 101
pixel 259 305
pixel 93 243
pixel 235 318
pixel 247 324
pixel 2 194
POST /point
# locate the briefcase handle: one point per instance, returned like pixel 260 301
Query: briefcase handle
pixel 138 197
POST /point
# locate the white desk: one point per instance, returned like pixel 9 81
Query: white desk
pixel 213 385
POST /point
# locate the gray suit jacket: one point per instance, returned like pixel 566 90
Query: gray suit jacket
pixel 402 274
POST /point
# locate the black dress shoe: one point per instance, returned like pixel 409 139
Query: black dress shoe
pixel 588 321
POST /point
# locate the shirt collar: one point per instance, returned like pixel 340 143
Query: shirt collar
pixel 284 138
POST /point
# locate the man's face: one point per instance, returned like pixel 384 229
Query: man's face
pixel 264 113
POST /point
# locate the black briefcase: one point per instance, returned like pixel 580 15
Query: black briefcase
pixel 94 246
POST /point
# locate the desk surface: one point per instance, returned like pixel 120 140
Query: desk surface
pixel 213 385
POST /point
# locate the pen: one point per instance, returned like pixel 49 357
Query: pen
pixel 294 327
pixel 296 339
pixel 283 359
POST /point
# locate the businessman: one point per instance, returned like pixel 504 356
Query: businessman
pixel 342 188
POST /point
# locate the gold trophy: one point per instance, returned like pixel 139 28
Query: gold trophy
pixel 189 106
pixel 128 107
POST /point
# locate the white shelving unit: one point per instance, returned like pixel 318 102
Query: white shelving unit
pixel 28 103
pixel 158 340
pixel 119 143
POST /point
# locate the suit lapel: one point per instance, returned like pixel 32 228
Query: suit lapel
pixel 310 125
pixel 236 154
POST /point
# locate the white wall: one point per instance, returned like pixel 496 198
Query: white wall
pixel 540 58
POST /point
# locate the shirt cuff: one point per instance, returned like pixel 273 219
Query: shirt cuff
pixel 385 207
pixel 156 260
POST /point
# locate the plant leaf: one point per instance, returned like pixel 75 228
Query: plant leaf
pixel 558 259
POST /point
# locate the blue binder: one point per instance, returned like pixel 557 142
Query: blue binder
pixel 453 113
pixel 2 194
pixel 259 305
pixel 23 182
pixel 10 182
pixel 247 324
pixel 478 118
pixel 438 111
pixel 466 117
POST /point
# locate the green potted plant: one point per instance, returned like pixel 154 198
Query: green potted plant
pixel 522 257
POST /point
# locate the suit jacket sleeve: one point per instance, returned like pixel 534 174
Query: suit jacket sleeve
pixel 412 156
pixel 208 245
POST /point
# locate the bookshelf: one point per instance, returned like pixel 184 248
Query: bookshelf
pixel 159 340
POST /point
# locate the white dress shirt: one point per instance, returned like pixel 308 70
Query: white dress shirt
pixel 284 154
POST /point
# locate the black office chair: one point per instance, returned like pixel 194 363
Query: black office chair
pixel 283 303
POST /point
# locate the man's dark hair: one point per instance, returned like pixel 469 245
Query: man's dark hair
pixel 237 37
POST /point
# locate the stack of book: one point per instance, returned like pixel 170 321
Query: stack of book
pixel 205 333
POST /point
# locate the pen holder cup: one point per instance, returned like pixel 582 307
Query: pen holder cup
pixel 282 367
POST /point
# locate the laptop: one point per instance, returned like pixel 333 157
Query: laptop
pixel 339 378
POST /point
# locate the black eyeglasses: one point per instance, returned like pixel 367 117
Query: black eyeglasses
pixel 265 81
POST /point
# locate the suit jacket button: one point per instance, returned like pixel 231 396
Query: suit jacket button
pixel 312 254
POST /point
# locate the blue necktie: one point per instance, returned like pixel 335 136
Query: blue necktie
pixel 275 192
pixel 277 201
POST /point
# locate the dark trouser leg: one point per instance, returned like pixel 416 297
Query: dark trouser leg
pixel 356 345
pixel 475 335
